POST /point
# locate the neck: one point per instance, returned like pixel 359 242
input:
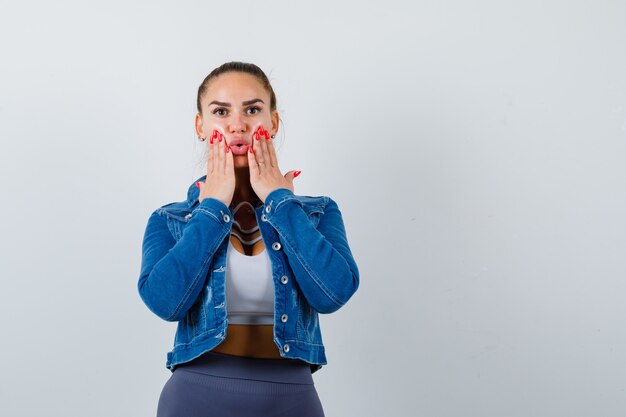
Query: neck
pixel 243 188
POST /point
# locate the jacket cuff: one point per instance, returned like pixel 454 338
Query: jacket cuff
pixel 214 208
pixel 277 197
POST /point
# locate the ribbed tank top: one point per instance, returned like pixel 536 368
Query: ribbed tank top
pixel 249 288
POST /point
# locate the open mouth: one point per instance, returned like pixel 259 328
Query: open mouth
pixel 239 149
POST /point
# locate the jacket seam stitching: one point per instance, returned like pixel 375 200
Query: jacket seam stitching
pixel 201 210
pixel 285 199
pixel 212 330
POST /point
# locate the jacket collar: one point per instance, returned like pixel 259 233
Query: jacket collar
pixel 194 192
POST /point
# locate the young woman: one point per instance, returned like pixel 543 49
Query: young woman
pixel 244 265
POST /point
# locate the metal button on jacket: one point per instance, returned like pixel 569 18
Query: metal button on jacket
pixel 188 216
pixel 284 318
pixel 268 208
pixel 226 218
pixel 286 347
pixel 284 279
pixel 276 246
pixel 263 217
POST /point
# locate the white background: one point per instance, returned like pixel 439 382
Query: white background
pixel 476 150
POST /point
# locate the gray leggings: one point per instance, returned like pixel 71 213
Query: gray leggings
pixel 217 384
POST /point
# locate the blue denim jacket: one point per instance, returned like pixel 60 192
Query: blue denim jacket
pixel 183 270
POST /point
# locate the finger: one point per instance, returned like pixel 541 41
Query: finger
pixel 289 177
pixel 264 151
pixel 258 148
pixel 271 150
pixel 211 159
pixel 220 150
pixel 252 163
pixel 229 161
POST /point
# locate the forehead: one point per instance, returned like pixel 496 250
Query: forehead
pixel 236 86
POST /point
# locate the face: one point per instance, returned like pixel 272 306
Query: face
pixel 236 104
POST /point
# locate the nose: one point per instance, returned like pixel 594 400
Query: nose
pixel 237 124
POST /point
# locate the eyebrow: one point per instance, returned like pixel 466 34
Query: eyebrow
pixel 245 103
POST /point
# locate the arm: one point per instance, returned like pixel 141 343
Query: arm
pixel 319 257
pixel 173 273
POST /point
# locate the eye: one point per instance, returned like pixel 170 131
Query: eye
pixel 218 110
pixel 255 108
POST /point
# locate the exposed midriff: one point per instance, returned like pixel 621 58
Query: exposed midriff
pixel 254 340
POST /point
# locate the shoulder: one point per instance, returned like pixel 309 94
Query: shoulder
pixel 178 210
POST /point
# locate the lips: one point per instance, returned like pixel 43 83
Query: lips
pixel 238 146
pixel 239 150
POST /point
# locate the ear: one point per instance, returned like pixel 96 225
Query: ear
pixel 198 122
pixel 275 120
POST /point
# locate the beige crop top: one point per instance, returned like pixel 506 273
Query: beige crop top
pixel 249 285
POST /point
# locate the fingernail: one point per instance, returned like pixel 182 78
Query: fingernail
pixel 267 135
pixel 211 140
pixel 256 136
pixel 295 174
pixel 250 149
pixel 198 184
pixel 227 148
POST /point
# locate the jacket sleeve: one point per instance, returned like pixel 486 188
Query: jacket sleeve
pixel 174 273
pixel 319 257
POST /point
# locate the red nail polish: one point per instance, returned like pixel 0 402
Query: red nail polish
pixel 227 148
pixel 214 135
pixel 295 174
pixel 211 140
pixel 250 149
pixel 198 184
pixel 267 135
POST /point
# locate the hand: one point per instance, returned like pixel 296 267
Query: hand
pixel 220 177
pixel 265 176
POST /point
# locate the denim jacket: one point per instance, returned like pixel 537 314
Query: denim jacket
pixel 183 270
